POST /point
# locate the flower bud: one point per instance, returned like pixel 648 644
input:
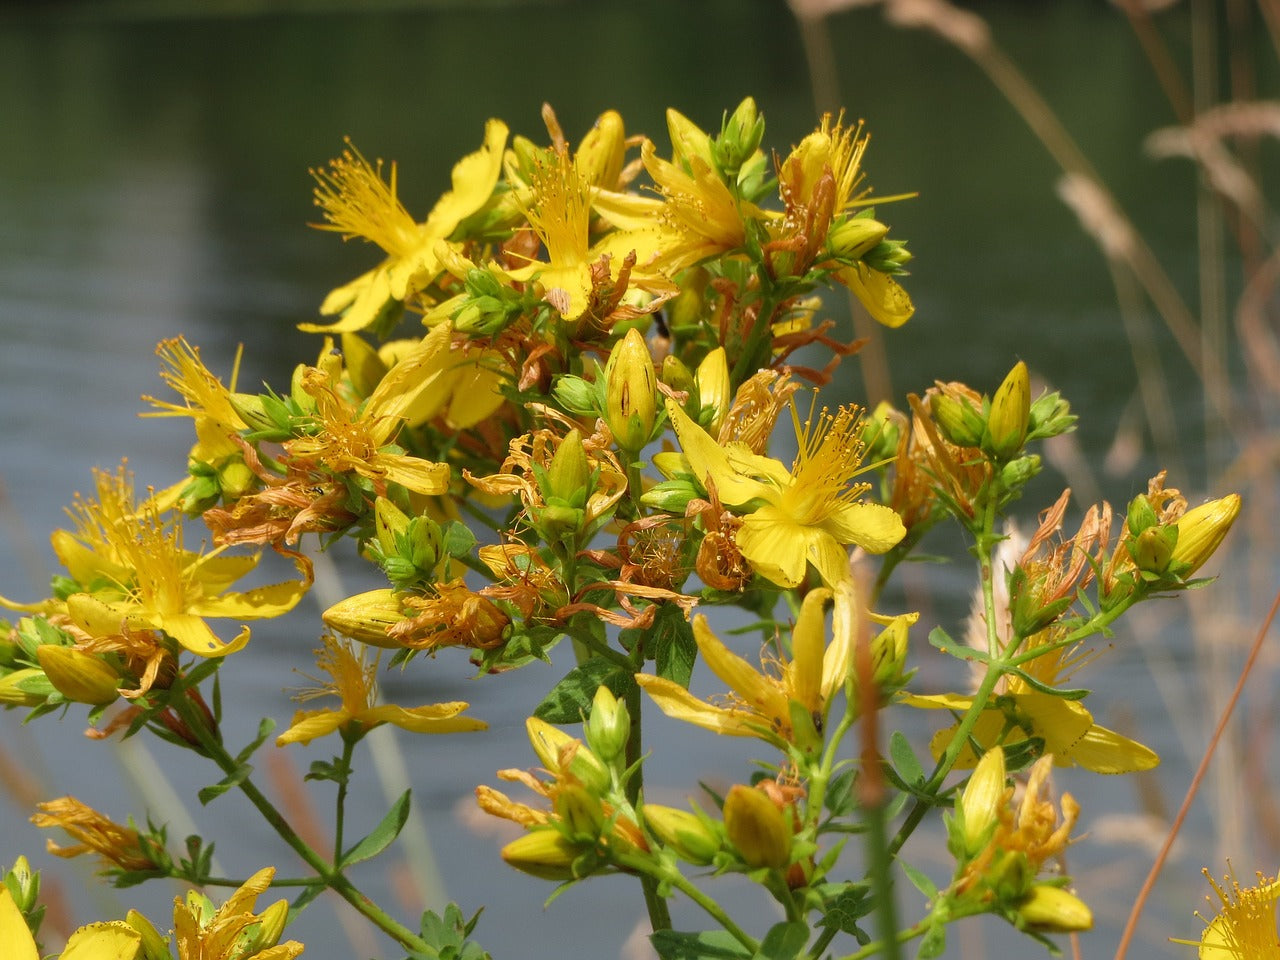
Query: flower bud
pixel 389 522
pixel 77 675
pixel 153 946
pixel 691 837
pixel 1201 531
pixel 23 884
pixel 671 496
pixel 1051 416
pixel 364 367
pixel 608 727
pixel 552 744
pixel 740 137
pixel 957 419
pixel 21 688
pixel 630 403
pixel 881 430
pixel 569 472
pixel 1152 549
pixel 271 923
pixel 580 812
pixel 601 153
pixel 757 828
pixel 542 853
pixel 235 479
pixel 677 376
pixel 1010 413
pixel 1017 473
pixel 688 140
pixel 979 805
pixel 853 237
pixel 714 388
pixel 1049 909
pixel 889 651
pixel 1140 514
pixel 366 617
pixel 576 395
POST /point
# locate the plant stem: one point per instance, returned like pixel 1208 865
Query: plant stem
pixel 659 915
pixel 332 876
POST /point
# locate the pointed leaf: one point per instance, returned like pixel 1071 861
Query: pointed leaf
pixel 383 834
pixel 570 699
pixel 712 944
pixel 784 941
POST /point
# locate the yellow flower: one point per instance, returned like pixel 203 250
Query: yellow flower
pixel 808 513
pixel 1065 726
pixel 117 845
pixel 884 298
pixel 228 933
pixel 207 401
pixel 132 560
pixel 354 683
pixel 760 704
pixel 357 202
pixel 576 272
pixel 115 940
pixel 1244 927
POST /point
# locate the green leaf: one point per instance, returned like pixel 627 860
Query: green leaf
pixel 1042 687
pixel 233 779
pixel 784 941
pixel 265 726
pixel 715 944
pixel 919 880
pixel 839 799
pixel 673 649
pixel 961 651
pixel 570 699
pixel 934 942
pixel 904 758
pixel 382 835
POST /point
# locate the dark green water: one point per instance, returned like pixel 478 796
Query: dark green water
pixel 154 183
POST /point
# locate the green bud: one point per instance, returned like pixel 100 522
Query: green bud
pixel 253 411
pixel 21 688
pixel 1018 473
pixel 424 541
pixel 1029 616
pixel 880 433
pixel 581 815
pixel 740 136
pixel 688 141
pixel 671 496
pixel 957 420
pixel 235 479
pixel 1010 414
pixel 271 922
pixel 693 838
pixel 389 523
pixel 676 375
pixel 854 236
pixel 1051 416
pixel 1152 549
pixel 23 884
pixel 608 726
pixel 1141 514
pixel 576 395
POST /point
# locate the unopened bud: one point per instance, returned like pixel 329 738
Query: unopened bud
pixel 153 946
pixel 740 137
pixel 543 853
pixel 671 496
pixel 1018 473
pixel 631 406
pixel 714 388
pixel 688 140
pixel 608 727
pixel 1049 909
pixel 757 828
pixel 1201 531
pixel 23 884
pixel 21 688
pixel 364 367
pixel 979 807
pixel 691 837
pixel 1153 548
pixel 580 812
pixel 957 420
pixel 569 472
pixel 881 430
pixel 601 153
pixel 366 617
pixel 1140 515
pixel 389 522
pixel 235 479
pixel 552 744
pixel 271 927
pixel 853 237
pixel 1010 413
pixel 77 675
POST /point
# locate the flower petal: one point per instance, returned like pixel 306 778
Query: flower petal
pixel 195 635
pixel 1105 751
pixel 778 548
pixel 710 462
pixel 436 718
pixel 675 701
pixel 14 932
pixel 872 526
pixel 113 940
pixel 310 725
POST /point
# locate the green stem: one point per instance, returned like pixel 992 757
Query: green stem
pixel 903 936
pixel 881 878
pixel 659 915
pixel 331 875
pixel 655 873
pixel 348 745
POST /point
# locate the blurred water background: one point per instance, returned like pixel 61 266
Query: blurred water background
pixel 153 182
